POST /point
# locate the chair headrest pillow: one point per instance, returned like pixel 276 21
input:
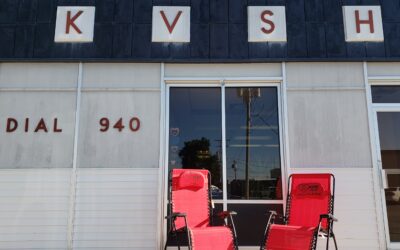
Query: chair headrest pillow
pixel 191 180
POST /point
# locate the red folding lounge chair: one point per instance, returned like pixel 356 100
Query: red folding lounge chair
pixel 309 214
pixel 191 212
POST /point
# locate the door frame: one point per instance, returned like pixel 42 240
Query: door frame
pixel 376 108
pixel 222 83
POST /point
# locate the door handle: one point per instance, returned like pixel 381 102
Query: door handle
pixel 384 179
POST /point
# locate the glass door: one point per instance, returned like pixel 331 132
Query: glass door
pixel 389 159
pixel 386 106
pixel 234 132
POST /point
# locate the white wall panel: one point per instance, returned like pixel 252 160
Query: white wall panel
pixel 106 218
pixel 34 208
pixel 114 149
pixel 320 75
pixel 386 69
pixel 328 129
pixel 20 149
pixel 121 75
pixel 224 70
pixel 354 207
pixel 38 75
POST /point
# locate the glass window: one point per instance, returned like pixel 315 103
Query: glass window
pixel 253 151
pixel 385 94
pixel 195 132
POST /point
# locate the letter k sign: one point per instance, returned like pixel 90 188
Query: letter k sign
pixel 171 24
pixel 74 24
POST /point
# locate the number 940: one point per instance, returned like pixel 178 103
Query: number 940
pixel 134 124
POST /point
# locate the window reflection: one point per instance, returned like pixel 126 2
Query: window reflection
pixel 195 132
pixel 253 151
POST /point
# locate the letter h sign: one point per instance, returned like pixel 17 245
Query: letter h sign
pixel 363 23
pixel 74 24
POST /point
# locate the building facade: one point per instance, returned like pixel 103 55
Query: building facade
pixel 91 123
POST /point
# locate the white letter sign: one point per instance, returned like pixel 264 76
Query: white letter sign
pixel 266 24
pixel 74 24
pixel 363 23
pixel 171 24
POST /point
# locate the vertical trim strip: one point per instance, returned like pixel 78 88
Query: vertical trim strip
pixel 375 168
pixel 161 228
pixel 285 143
pixel 223 147
pixel 72 193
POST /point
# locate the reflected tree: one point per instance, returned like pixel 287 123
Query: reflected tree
pixel 197 154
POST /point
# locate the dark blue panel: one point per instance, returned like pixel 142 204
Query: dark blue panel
pixel 179 50
pixel 7 34
pixel 392 39
pixel 200 11
pixel 122 45
pixel 123 11
pixel 258 50
pixel 356 50
pixel 44 40
pixel 160 50
pixel 219 11
pixel 370 2
pixel 238 45
pixel 335 43
pixel 86 2
pixel 375 49
pixel 104 11
pixel 314 10
pixel 27 11
pixel 46 11
pixel 66 3
pixel 142 11
pixel 237 11
pixel 333 11
pixel 256 2
pixel 219 41
pixel 200 40
pixel 161 2
pixel 390 10
pixel 351 2
pixel 102 46
pixel 293 15
pixel 24 41
pixel 277 50
pixel 8 11
pixel 141 42
pixel 316 40
pixel 180 2
pixel 296 40
pixel 276 2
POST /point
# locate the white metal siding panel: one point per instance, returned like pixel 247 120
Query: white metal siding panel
pixel 384 69
pixel 116 208
pixel 121 75
pixel 354 207
pixel 38 75
pixel 34 208
pixel 328 129
pixel 224 70
pixel 324 74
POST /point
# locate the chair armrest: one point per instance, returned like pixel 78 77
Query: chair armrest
pixel 328 216
pixel 226 214
pixel 175 215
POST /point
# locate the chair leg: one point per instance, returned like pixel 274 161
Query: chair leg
pixel 334 240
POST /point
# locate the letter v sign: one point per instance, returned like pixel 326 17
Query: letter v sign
pixel 171 24
pixel 170 27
